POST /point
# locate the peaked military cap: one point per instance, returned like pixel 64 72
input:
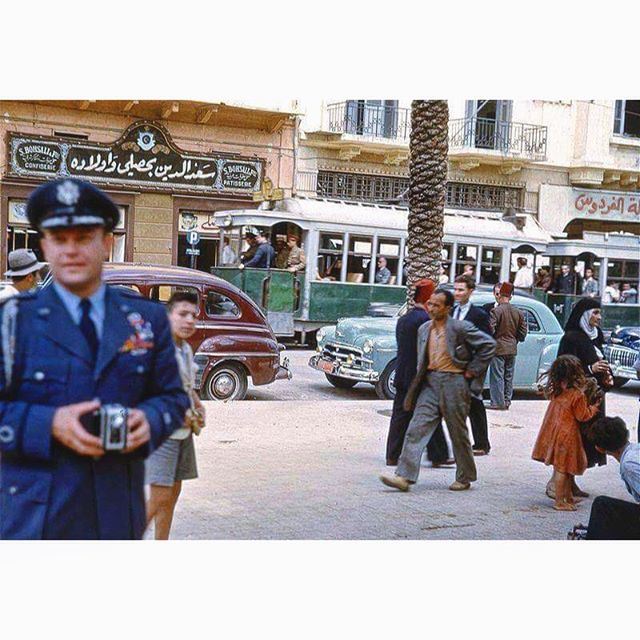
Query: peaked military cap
pixel 71 203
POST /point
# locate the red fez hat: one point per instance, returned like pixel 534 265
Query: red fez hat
pixel 506 289
pixel 424 290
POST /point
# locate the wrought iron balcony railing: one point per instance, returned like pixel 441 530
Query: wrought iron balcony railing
pixel 515 139
pixel 510 138
pixel 372 121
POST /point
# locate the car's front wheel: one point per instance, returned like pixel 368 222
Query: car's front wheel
pixel 341 383
pixel 228 381
pixel 619 382
pixel 385 387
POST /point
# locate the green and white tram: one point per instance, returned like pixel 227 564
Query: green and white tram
pixel 343 243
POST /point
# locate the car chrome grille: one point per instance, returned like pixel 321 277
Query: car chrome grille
pixel 343 353
pixel 623 356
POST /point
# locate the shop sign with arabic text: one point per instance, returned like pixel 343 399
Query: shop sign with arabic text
pixel 144 155
pixel 606 205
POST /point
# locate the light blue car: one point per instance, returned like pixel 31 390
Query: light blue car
pixel 364 349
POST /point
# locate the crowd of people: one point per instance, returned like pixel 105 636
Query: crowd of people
pixel 262 254
pixel 97 393
pixel 445 346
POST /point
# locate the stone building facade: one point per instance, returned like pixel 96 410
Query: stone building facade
pixel 168 166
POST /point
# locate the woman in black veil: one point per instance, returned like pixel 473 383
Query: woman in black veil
pixel 584 339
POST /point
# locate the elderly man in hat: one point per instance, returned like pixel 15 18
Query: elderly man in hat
pixel 509 327
pixel 76 357
pixel 406 364
pixel 24 271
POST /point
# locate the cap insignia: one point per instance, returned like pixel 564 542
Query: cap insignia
pixel 68 193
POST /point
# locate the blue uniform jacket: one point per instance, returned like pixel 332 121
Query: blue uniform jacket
pixel 48 491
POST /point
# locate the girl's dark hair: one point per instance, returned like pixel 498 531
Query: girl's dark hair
pixel 564 369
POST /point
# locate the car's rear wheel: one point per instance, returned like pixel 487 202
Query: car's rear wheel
pixel 385 387
pixel 228 381
pixel 619 382
pixel 341 383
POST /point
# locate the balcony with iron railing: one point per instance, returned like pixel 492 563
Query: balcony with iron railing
pixel 474 136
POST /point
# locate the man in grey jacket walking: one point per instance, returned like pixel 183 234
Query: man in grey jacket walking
pixel 453 357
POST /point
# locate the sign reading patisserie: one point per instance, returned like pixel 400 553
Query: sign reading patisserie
pixel 144 155
pixel 606 205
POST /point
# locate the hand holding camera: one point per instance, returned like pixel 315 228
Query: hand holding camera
pixel 68 429
pixel 91 429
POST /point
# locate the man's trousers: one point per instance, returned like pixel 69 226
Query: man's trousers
pixel 444 395
pixel 479 425
pixel 437 449
pixel 501 372
pixel 613 519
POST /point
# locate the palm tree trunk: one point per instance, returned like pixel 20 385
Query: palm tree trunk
pixel 428 146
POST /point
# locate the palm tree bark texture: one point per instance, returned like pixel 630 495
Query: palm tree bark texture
pixel 428 147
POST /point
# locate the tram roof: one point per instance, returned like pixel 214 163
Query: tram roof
pixel 318 212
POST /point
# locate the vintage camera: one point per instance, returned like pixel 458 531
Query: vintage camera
pixel 109 423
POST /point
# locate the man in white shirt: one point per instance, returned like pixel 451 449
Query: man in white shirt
pixel 524 275
pixel 24 271
pixel 228 254
pixel 613 519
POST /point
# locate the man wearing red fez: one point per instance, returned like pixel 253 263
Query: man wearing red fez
pixel 509 327
pixel 406 365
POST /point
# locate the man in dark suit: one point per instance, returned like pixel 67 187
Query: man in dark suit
pixel 406 365
pixel 464 310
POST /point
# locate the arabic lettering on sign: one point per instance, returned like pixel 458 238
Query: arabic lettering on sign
pixel 607 205
pixel 144 154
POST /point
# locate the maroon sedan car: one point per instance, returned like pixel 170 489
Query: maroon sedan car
pixel 233 340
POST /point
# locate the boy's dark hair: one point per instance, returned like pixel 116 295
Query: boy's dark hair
pixel 448 296
pixel 468 280
pixel 609 434
pixel 182 296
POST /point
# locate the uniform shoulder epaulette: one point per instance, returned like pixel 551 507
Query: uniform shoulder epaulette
pixel 25 295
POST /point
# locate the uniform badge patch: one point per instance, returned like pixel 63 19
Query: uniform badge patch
pixel 141 340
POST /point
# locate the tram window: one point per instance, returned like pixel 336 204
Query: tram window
pixel 490 265
pixel 359 258
pixel 389 249
pixel 330 256
pixel 467 255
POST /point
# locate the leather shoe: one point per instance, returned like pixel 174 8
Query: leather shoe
pixel 392 462
pixel 495 407
pixel 460 486
pixel 445 463
pixel 481 452
pixel 396 482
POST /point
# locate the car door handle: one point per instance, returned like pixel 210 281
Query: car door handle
pixel 541 339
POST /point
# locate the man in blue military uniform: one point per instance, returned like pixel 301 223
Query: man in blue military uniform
pixel 66 350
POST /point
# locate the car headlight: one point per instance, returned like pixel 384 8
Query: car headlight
pixel 320 334
pixel 367 347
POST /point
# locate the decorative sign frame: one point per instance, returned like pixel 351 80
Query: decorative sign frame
pixel 144 156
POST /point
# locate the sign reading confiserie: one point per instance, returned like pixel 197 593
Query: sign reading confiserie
pixel 144 155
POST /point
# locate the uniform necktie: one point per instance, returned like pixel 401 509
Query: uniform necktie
pixel 458 312
pixel 88 328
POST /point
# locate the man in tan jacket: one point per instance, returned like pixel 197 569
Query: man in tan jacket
pixel 509 327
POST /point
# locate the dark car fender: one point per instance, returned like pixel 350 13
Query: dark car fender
pixel 260 356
